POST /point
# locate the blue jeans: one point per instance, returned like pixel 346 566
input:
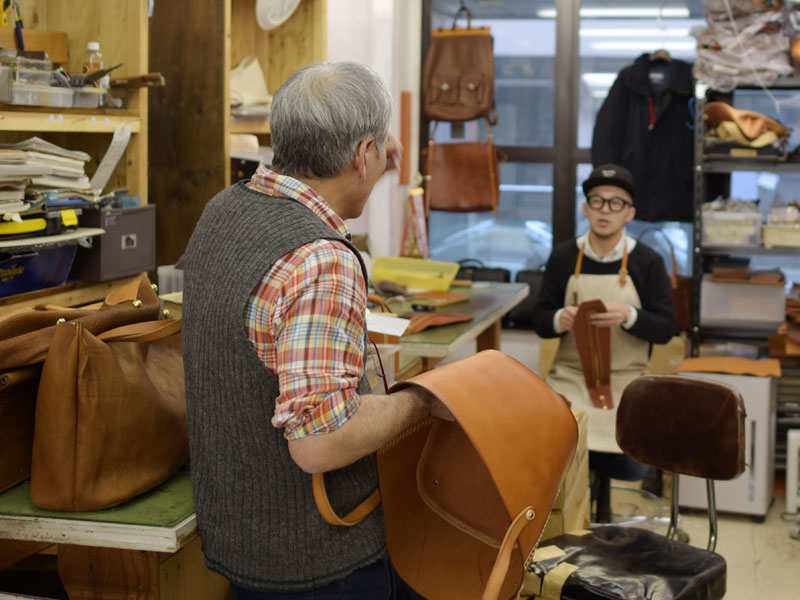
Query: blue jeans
pixel 378 581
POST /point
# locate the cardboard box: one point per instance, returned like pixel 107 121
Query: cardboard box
pixel 576 514
pixel 128 246
pixel 577 474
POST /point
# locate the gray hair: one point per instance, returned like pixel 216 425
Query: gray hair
pixel 322 112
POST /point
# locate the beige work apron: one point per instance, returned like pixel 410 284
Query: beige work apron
pixel 628 354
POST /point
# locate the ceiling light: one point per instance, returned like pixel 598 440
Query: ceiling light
pixel 634 13
pixel 599 79
pixel 644 32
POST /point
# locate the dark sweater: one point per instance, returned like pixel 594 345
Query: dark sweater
pixel 255 509
pixel 656 318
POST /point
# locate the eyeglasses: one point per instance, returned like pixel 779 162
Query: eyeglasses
pixel 615 203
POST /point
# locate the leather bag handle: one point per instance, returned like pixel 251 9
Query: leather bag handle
pixel 146 331
pixel 465 10
pixel 669 243
pixel 354 517
pixel 503 560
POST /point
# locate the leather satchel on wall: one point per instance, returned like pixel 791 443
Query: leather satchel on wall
pixel 681 287
pixel 110 415
pixel 458 73
pixel 465 501
pixel 461 177
pixel 594 349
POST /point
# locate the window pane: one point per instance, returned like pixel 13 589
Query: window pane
pixel 519 237
pixel 607 45
pixel 524 49
pixel 679 234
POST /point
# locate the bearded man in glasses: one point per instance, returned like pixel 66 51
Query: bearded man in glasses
pixel 631 281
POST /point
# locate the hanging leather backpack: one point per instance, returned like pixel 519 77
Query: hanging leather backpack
pixel 458 73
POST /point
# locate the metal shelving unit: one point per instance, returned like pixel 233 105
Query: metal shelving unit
pixel 702 168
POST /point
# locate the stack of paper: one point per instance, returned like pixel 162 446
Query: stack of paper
pixel 45 165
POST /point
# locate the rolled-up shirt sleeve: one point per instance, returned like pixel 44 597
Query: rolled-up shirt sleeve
pixel 306 321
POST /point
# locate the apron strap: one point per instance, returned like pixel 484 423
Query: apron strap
pixel 623 270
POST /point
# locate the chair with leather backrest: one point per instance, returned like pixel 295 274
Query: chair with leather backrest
pixel 681 424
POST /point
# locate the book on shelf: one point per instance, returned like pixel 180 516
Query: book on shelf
pixel 38 144
pixel 58 182
pixel 12 206
pixel 19 171
pixel 11 193
pixel 54 159
pixel 56 169
pixel 12 157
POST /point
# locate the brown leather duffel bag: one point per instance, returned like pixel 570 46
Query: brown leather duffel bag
pixel 465 501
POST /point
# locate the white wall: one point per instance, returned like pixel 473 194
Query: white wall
pixel 386 34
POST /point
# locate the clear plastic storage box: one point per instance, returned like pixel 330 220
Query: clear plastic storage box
pixel 40 95
pixel 88 97
pixel 728 228
pixel 744 305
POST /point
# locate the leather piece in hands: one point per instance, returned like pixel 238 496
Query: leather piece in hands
pixel 110 415
pixel 594 349
pixel 451 489
pixel 422 321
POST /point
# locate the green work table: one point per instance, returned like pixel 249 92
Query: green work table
pixel 145 548
pixel 488 303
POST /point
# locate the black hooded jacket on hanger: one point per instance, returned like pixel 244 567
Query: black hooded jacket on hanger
pixel 651 134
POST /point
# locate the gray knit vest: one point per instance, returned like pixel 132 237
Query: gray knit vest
pixel 255 510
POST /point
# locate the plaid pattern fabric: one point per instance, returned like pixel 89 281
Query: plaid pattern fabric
pixel 306 321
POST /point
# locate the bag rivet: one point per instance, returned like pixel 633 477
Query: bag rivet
pixel 471 87
pixel 530 515
pixel 165 312
pixel 137 303
pixel 435 482
pixel 445 87
pixel 154 286
pixel 61 320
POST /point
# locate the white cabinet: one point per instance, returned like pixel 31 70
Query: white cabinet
pixel 751 492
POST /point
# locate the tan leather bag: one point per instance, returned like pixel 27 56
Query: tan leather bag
pixel 458 73
pixel 110 415
pixel 462 176
pixel 25 335
pixel 465 502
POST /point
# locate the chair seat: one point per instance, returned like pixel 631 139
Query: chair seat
pixel 630 563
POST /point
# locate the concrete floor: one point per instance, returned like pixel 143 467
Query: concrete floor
pixel 763 561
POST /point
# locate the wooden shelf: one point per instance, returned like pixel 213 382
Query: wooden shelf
pixel 65 121
pixel 749 165
pixel 248 126
pixel 75 293
pixel 748 250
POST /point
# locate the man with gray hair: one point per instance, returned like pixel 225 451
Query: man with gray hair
pixel 275 347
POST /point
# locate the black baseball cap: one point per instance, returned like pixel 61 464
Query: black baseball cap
pixel 610 174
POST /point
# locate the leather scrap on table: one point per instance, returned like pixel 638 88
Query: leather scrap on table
pixel 420 322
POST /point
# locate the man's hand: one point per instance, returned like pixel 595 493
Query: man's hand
pixel 616 314
pixel 567 317
pixel 394 153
